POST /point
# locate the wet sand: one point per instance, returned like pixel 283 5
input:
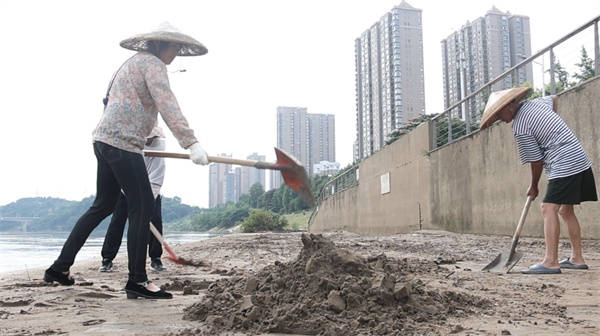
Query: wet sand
pixel 329 286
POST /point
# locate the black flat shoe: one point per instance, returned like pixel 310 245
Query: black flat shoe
pixel 63 279
pixel 134 291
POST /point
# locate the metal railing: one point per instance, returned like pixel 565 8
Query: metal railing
pixel 345 180
pixel 462 118
pixel 339 183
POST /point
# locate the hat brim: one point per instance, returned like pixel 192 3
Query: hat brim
pixel 189 45
pixel 491 113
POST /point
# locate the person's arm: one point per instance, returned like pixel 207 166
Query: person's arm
pixel 555 103
pixel 536 172
pixel 158 85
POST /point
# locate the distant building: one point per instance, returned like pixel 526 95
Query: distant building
pixel 246 177
pixel 390 88
pixel 230 192
pixel 275 180
pixel 218 191
pixel 479 52
pixel 292 132
pixel 310 138
pixel 321 137
pixel 227 183
pixel 326 168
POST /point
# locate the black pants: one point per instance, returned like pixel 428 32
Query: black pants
pixel 114 234
pixel 117 169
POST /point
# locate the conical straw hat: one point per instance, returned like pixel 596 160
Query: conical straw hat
pixel 498 100
pixel 168 33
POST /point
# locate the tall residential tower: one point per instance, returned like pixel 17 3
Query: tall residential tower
pixel 479 52
pixel 310 138
pixel 390 88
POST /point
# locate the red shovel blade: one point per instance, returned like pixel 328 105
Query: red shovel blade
pixel 294 176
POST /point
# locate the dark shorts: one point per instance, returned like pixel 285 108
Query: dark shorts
pixel 572 189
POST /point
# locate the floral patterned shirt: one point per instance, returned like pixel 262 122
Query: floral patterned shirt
pixel 139 92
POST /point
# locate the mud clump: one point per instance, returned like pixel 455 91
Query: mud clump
pixel 329 291
pixel 185 285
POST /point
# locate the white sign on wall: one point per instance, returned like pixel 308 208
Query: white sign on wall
pixel 385 183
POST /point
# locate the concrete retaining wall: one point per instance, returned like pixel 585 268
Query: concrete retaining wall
pixel 474 185
pixel 365 209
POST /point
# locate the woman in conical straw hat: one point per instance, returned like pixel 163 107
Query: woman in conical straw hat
pixel 545 142
pixel 138 92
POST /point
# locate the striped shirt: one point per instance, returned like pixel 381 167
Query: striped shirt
pixel 541 134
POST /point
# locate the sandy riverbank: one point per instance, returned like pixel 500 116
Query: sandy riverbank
pixel 426 282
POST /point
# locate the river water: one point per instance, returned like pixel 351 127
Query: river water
pixel 20 251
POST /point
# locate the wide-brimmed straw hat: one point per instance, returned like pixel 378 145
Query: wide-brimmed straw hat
pixel 165 32
pixel 498 100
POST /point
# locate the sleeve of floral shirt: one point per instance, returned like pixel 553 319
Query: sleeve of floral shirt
pixel 158 85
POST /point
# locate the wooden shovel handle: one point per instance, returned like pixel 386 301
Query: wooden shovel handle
pixel 217 159
pixel 521 221
pixel 162 241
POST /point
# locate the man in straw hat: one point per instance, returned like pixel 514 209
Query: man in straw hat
pixel 138 92
pixel 544 140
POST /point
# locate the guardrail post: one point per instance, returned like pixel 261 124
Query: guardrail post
pixel 596 49
pixel 449 126
pixel 434 134
pixel 552 67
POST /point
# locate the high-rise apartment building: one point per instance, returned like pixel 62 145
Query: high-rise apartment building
pixel 227 183
pixel 390 87
pixel 321 139
pixel 292 132
pixel 218 191
pixel 310 138
pixel 479 52
pixel 275 179
pixel 246 177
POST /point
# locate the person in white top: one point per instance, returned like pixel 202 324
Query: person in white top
pixel 114 235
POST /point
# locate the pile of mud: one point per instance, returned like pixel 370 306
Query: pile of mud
pixel 329 291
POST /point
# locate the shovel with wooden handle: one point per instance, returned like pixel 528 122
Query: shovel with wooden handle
pixel 294 175
pixel 504 262
pixel 172 256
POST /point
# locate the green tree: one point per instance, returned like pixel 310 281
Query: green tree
pixel 263 220
pixel 562 77
pixel 256 190
pixel 407 127
pixel 586 67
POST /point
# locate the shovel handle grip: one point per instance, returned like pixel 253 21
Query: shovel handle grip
pixel 515 239
pixel 217 159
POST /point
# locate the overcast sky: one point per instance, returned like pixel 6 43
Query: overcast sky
pixel 58 57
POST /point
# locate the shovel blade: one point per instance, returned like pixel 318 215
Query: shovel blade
pixel 503 262
pixel 294 176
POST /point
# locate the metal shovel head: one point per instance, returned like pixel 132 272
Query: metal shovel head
pixel 503 263
pixel 295 176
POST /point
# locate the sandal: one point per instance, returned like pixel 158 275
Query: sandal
pixel 569 265
pixel 64 279
pixel 539 269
